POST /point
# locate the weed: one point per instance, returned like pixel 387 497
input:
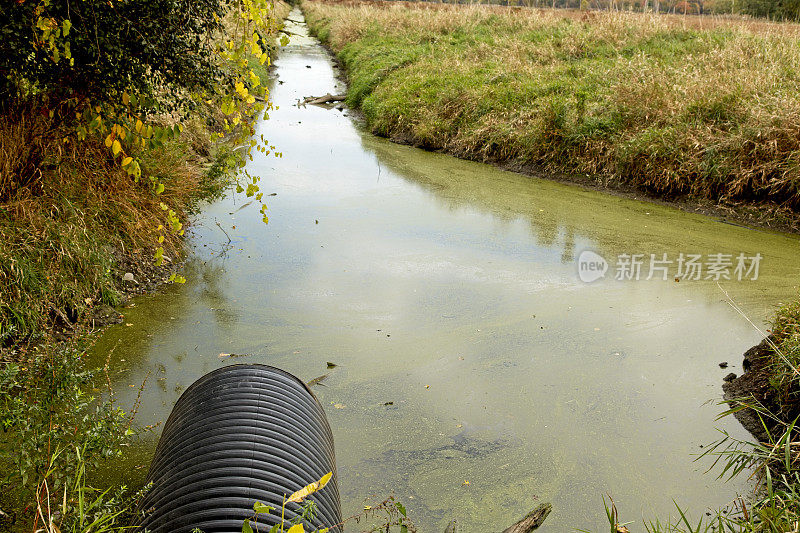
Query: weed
pixel 58 428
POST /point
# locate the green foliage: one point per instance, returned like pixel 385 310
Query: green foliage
pixel 393 513
pixel 772 9
pixel 82 509
pixel 111 69
pixel 45 409
pixel 56 430
pixel 96 49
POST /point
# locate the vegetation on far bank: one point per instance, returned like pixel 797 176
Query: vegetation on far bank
pixel 679 107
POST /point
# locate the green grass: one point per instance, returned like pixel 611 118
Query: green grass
pixel 786 357
pixel 701 108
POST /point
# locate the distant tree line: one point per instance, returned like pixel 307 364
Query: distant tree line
pixel 788 10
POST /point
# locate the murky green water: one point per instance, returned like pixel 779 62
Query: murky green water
pixel 449 290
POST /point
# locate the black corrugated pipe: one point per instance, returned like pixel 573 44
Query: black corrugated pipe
pixel 241 434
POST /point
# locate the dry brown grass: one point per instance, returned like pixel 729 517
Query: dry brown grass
pixel 63 223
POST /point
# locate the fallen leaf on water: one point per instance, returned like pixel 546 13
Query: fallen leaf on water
pixel 317 380
pixel 224 355
pixel 339 405
pixel 128 324
pixel 427 386
pixel 245 205
pixel 465 482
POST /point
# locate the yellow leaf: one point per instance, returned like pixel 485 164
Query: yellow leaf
pixel 310 489
pixel 109 140
pixel 116 147
pixel 297 528
pixel 126 99
pixel 127 161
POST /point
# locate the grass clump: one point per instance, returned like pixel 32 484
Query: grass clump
pixel 67 212
pixel 703 107
pixel 785 358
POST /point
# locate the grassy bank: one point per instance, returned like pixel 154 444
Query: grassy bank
pixel 74 220
pixel 64 234
pixel 677 107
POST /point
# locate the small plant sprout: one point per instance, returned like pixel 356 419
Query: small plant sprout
pixel 296 497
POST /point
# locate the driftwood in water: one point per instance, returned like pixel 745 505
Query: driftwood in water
pixel 531 521
pixel 327 99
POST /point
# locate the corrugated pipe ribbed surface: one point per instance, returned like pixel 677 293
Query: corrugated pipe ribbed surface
pixel 241 434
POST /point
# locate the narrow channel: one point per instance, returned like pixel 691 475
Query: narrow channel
pixel 476 374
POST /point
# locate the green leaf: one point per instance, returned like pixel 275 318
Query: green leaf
pixel 66 26
pixel 246 526
pixel 262 508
